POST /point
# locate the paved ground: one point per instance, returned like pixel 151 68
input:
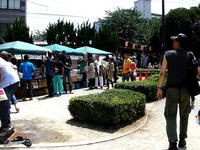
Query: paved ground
pixel 51 127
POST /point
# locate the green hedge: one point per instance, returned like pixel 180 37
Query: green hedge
pixel 148 87
pixel 109 107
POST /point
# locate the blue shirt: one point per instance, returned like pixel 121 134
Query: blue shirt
pixel 26 68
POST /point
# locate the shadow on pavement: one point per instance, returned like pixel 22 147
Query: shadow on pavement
pixel 44 98
pixel 98 127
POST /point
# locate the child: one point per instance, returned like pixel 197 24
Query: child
pixel 90 70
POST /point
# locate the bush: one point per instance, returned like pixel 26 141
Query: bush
pixel 109 107
pixel 147 87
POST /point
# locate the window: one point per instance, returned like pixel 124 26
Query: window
pixel 17 4
pixel 14 4
pixel 3 4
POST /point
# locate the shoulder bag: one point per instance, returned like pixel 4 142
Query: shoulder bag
pixel 192 81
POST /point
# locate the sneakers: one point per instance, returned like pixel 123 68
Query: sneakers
pixel 172 146
pixel 182 143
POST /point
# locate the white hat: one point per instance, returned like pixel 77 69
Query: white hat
pixel 110 56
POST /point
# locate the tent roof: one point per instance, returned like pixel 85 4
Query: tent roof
pixel 56 48
pixel 91 50
pixel 19 47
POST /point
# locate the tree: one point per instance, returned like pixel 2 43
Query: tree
pixel 18 31
pixel 129 24
pixel 61 33
pixel 106 39
pixel 185 21
pixel 85 34
pixel 155 37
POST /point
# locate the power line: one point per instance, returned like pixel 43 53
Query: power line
pixel 38 4
pixel 61 15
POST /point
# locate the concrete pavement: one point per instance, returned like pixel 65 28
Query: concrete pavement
pixel 52 127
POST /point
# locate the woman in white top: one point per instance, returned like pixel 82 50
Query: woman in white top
pixel 9 81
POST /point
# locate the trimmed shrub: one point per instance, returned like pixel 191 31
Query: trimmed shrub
pixel 109 107
pixel 148 87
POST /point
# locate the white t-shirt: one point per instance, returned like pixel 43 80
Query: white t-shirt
pixel 9 75
pixel 97 64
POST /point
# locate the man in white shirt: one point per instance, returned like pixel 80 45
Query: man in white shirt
pixel 98 75
pixel 9 81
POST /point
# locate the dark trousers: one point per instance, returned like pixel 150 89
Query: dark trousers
pixel 91 82
pixel 67 74
pixel 84 76
pixel 132 77
pixel 27 85
pixel 5 106
pixel 177 98
pixel 49 84
pixel 108 82
pixel 115 76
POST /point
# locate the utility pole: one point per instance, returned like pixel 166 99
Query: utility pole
pixel 163 27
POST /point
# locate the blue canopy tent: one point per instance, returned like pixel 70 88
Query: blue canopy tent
pixel 91 50
pixel 19 47
pixel 56 48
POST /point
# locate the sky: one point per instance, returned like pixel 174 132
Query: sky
pixel 41 12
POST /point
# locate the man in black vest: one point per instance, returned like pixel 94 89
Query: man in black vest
pixel 177 63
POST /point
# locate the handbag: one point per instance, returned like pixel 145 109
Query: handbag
pixel 192 81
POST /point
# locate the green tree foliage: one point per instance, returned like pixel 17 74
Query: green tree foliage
pixel 185 21
pixel 106 39
pixel 178 21
pixel 61 33
pixel 18 31
pixel 85 34
pixel 129 24
pixel 154 35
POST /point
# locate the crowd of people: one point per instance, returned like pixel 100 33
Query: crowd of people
pixel 100 72
pixel 56 71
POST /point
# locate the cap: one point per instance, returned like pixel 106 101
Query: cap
pixel 110 56
pixel 180 37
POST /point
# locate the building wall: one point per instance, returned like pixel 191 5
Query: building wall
pixel 8 16
pixel 144 6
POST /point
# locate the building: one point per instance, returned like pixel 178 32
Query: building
pixel 97 26
pixel 143 6
pixel 10 10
